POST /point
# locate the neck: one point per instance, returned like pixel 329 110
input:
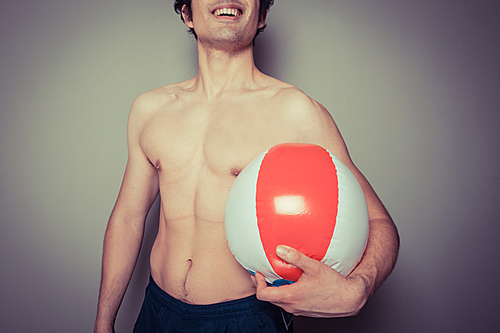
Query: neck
pixel 223 70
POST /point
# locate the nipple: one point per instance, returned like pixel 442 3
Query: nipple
pixel 158 165
pixel 235 171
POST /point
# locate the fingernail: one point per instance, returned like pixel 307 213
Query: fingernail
pixel 281 250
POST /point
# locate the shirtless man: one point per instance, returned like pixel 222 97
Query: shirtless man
pixel 188 141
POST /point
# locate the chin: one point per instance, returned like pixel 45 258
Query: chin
pixel 230 40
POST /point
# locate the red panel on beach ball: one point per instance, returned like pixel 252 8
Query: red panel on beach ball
pixel 296 202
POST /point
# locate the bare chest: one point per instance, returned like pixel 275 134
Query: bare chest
pixel 213 142
pixel 199 151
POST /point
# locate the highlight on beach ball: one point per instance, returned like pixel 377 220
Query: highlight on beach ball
pixel 302 196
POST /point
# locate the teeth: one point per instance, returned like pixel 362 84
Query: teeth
pixel 227 11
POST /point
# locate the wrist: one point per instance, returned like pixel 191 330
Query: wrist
pixel 102 326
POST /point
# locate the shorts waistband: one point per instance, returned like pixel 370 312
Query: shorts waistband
pixel 235 308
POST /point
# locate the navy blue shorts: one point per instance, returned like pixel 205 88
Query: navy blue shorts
pixel 161 312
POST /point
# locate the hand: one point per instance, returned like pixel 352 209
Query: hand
pixel 320 292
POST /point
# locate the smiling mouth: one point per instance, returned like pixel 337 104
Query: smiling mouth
pixel 227 12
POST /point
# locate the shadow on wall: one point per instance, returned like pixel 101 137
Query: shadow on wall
pixel 266 54
pixel 369 319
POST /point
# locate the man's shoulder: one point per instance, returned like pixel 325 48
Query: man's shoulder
pixel 152 103
pixel 158 100
pixel 158 97
pixel 297 102
pixel 310 117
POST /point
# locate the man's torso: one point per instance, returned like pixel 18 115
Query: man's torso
pixel 198 147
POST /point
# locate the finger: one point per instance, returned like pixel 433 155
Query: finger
pixel 296 258
pixel 260 282
pixel 252 277
pixel 268 293
pixel 261 285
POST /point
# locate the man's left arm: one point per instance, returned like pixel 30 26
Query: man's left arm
pixel 321 291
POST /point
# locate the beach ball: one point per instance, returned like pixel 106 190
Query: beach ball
pixel 302 196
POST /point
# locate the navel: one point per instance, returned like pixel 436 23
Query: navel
pixel 184 288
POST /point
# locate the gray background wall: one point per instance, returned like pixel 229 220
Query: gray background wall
pixel 413 86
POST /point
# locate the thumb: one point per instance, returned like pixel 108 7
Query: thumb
pixel 296 258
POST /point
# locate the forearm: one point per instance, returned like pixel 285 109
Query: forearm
pixel 322 292
pixel 122 243
pixel 379 257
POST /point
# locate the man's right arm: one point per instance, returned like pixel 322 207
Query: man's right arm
pixel 124 233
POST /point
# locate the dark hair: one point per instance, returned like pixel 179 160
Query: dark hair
pixel 178 4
